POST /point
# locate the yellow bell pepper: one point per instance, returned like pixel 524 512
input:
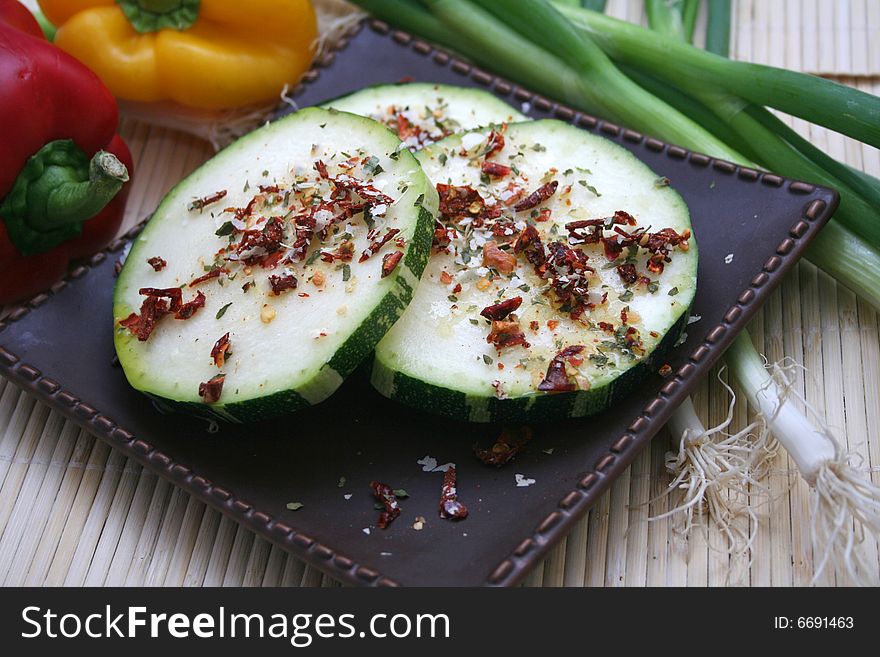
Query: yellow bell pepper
pixel 209 54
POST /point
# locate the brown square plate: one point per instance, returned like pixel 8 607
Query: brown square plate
pixel 59 347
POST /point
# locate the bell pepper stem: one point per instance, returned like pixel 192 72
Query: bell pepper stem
pixel 75 202
pixel 57 190
pixel 154 15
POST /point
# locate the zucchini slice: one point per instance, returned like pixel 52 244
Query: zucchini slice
pixel 421 113
pixel 268 274
pixel 563 269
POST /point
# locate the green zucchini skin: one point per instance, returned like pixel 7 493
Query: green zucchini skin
pixel 537 408
pixel 374 305
pixel 397 377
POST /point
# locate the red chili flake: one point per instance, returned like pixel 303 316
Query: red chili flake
pixel 443 236
pixel 557 379
pixel 457 288
pixel 257 245
pixel 612 247
pixel 376 245
pixel 628 273
pixel 175 294
pixel 458 203
pixel 534 326
pixel 495 141
pixel 157 263
pixel 624 314
pixel 633 338
pixel 450 507
pixel 530 242
pixel 270 189
pixel 281 283
pixel 665 370
pixel 537 197
pixel 654 334
pixel 344 253
pixel 189 309
pixel 502 309
pixel 495 170
pixel 543 215
pixel 152 310
pixel 405 128
pixel 506 333
pixel 214 273
pixel 495 258
pixel 201 203
pixel 445 277
pixel 510 443
pixel 624 218
pixel 218 353
pixel 608 327
pixel 552 324
pixel 321 168
pixel 390 262
pixel 385 494
pixel 211 390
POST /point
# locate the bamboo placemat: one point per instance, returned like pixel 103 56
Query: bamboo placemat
pixel 75 512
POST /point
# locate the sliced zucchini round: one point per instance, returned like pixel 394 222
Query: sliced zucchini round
pixel 421 113
pixel 268 274
pixel 523 314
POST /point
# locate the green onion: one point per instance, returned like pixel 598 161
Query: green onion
pixel 838 107
pixel 845 502
pixel 718 27
pixel 607 92
pixel 673 18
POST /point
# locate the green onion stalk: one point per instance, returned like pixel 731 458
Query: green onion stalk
pixel 720 472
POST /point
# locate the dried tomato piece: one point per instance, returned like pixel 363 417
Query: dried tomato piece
pixel 385 494
pixel 390 262
pixel 495 258
pixel 283 282
pixel 405 129
pixel 495 170
pixel 201 203
pixel 157 263
pixel 255 245
pixel 220 349
pixel 211 390
pixel 510 443
pixel 557 379
pixel 450 507
pixel 537 197
pixel 501 310
pixel 507 333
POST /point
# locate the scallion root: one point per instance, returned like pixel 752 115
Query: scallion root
pixel 717 475
pixel 845 508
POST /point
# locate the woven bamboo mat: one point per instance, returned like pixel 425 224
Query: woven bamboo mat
pixel 75 512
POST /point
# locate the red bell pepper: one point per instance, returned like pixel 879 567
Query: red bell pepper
pixel 63 168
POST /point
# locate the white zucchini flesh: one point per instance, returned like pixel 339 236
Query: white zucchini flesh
pixel 292 349
pixel 427 112
pixel 437 356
